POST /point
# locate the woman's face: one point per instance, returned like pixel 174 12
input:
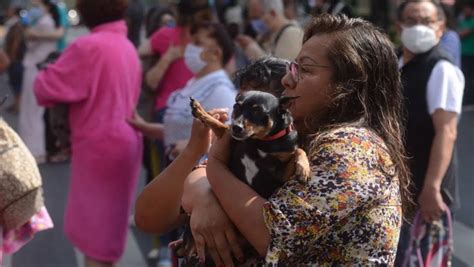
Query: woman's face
pixel 310 79
pixel 211 52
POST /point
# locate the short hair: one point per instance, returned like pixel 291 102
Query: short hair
pixel 276 5
pixel 403 5
pixel 97 12
pixel 219 33
pixel 264 74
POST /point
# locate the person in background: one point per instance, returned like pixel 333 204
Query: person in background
pixel 280 37
pixel 15 48
pixel 134 17
pixel 41 36
pixel 433 88
pixel 101 90
pixel 64 22
pixel 158 17
pixel 450 40
pixel 466 32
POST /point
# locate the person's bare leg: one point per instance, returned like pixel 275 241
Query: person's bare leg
pixel 89 262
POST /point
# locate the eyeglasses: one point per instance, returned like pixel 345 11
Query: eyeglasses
pixel 295 69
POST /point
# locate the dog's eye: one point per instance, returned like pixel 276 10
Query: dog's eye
pixel 257 111
pixel 236 108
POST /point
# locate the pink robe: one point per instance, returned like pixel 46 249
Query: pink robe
pixel 99 76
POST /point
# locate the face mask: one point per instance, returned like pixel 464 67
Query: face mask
pixel 170 24
pixel 192 58
pixel 34 14
pixel 419 38
pixel 259 26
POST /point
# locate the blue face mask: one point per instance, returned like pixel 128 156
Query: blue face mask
pixel 34 14
pixel 259 26
pixel 170 24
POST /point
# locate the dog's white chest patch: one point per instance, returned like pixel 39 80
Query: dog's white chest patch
pixel 250 169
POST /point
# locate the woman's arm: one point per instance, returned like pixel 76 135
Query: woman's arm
pixel 151 130
pixel 57 34
pixel 158 206
pixel 243 205
pixel 155 74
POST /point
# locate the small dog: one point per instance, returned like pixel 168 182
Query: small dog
pixel 265 151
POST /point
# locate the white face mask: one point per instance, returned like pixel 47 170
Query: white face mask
pixel 192 58
pixel 419 38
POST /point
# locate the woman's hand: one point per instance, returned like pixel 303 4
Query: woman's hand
pixel 137 121
pixel 212 229
pixel 31 34
pixel 173 53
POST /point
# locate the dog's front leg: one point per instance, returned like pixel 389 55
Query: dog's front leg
pixel 199 113
pixel 298 167
pixel 302 168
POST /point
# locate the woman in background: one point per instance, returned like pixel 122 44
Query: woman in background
pixel 41 41
pixel 101 90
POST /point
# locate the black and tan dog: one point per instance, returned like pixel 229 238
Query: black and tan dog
pixel 265 151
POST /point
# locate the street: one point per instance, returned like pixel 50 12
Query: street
pixel 52 249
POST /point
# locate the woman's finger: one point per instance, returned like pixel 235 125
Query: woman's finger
pixel 211 248
pixel 234 245
pixel 200 247
pixel 222 247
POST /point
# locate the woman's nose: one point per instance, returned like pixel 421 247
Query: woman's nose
pixel 287 81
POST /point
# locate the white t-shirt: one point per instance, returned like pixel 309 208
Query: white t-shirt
pixel 214 90
pixel 445 87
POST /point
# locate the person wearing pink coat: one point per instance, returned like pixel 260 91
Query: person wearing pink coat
pixel 99 78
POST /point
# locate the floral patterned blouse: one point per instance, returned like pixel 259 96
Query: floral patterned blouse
pixel 348 214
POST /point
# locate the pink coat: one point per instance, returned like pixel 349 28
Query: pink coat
pixel 99 76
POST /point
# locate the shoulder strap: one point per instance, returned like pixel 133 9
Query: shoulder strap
pixel 338 8
pixel 278 36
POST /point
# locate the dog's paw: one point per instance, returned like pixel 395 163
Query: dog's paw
pixel 302 168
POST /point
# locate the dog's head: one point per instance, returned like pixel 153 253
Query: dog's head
pixel 257 114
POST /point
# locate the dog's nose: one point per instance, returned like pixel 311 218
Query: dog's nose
pixel 237 129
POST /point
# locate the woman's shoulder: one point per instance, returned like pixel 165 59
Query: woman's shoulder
pixel 350 140
pixel 350 133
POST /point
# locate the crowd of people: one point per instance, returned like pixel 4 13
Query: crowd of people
pixel 378 124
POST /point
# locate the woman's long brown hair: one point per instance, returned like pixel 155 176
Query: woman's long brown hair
pixel 368 89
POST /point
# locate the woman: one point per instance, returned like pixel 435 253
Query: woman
pixel 349 118
pixel 102 91
pixel 41 42
pixel 210 50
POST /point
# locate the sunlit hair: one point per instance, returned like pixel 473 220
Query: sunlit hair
pixel 368 89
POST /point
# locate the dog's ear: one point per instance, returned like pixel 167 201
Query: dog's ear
pixel 285 101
